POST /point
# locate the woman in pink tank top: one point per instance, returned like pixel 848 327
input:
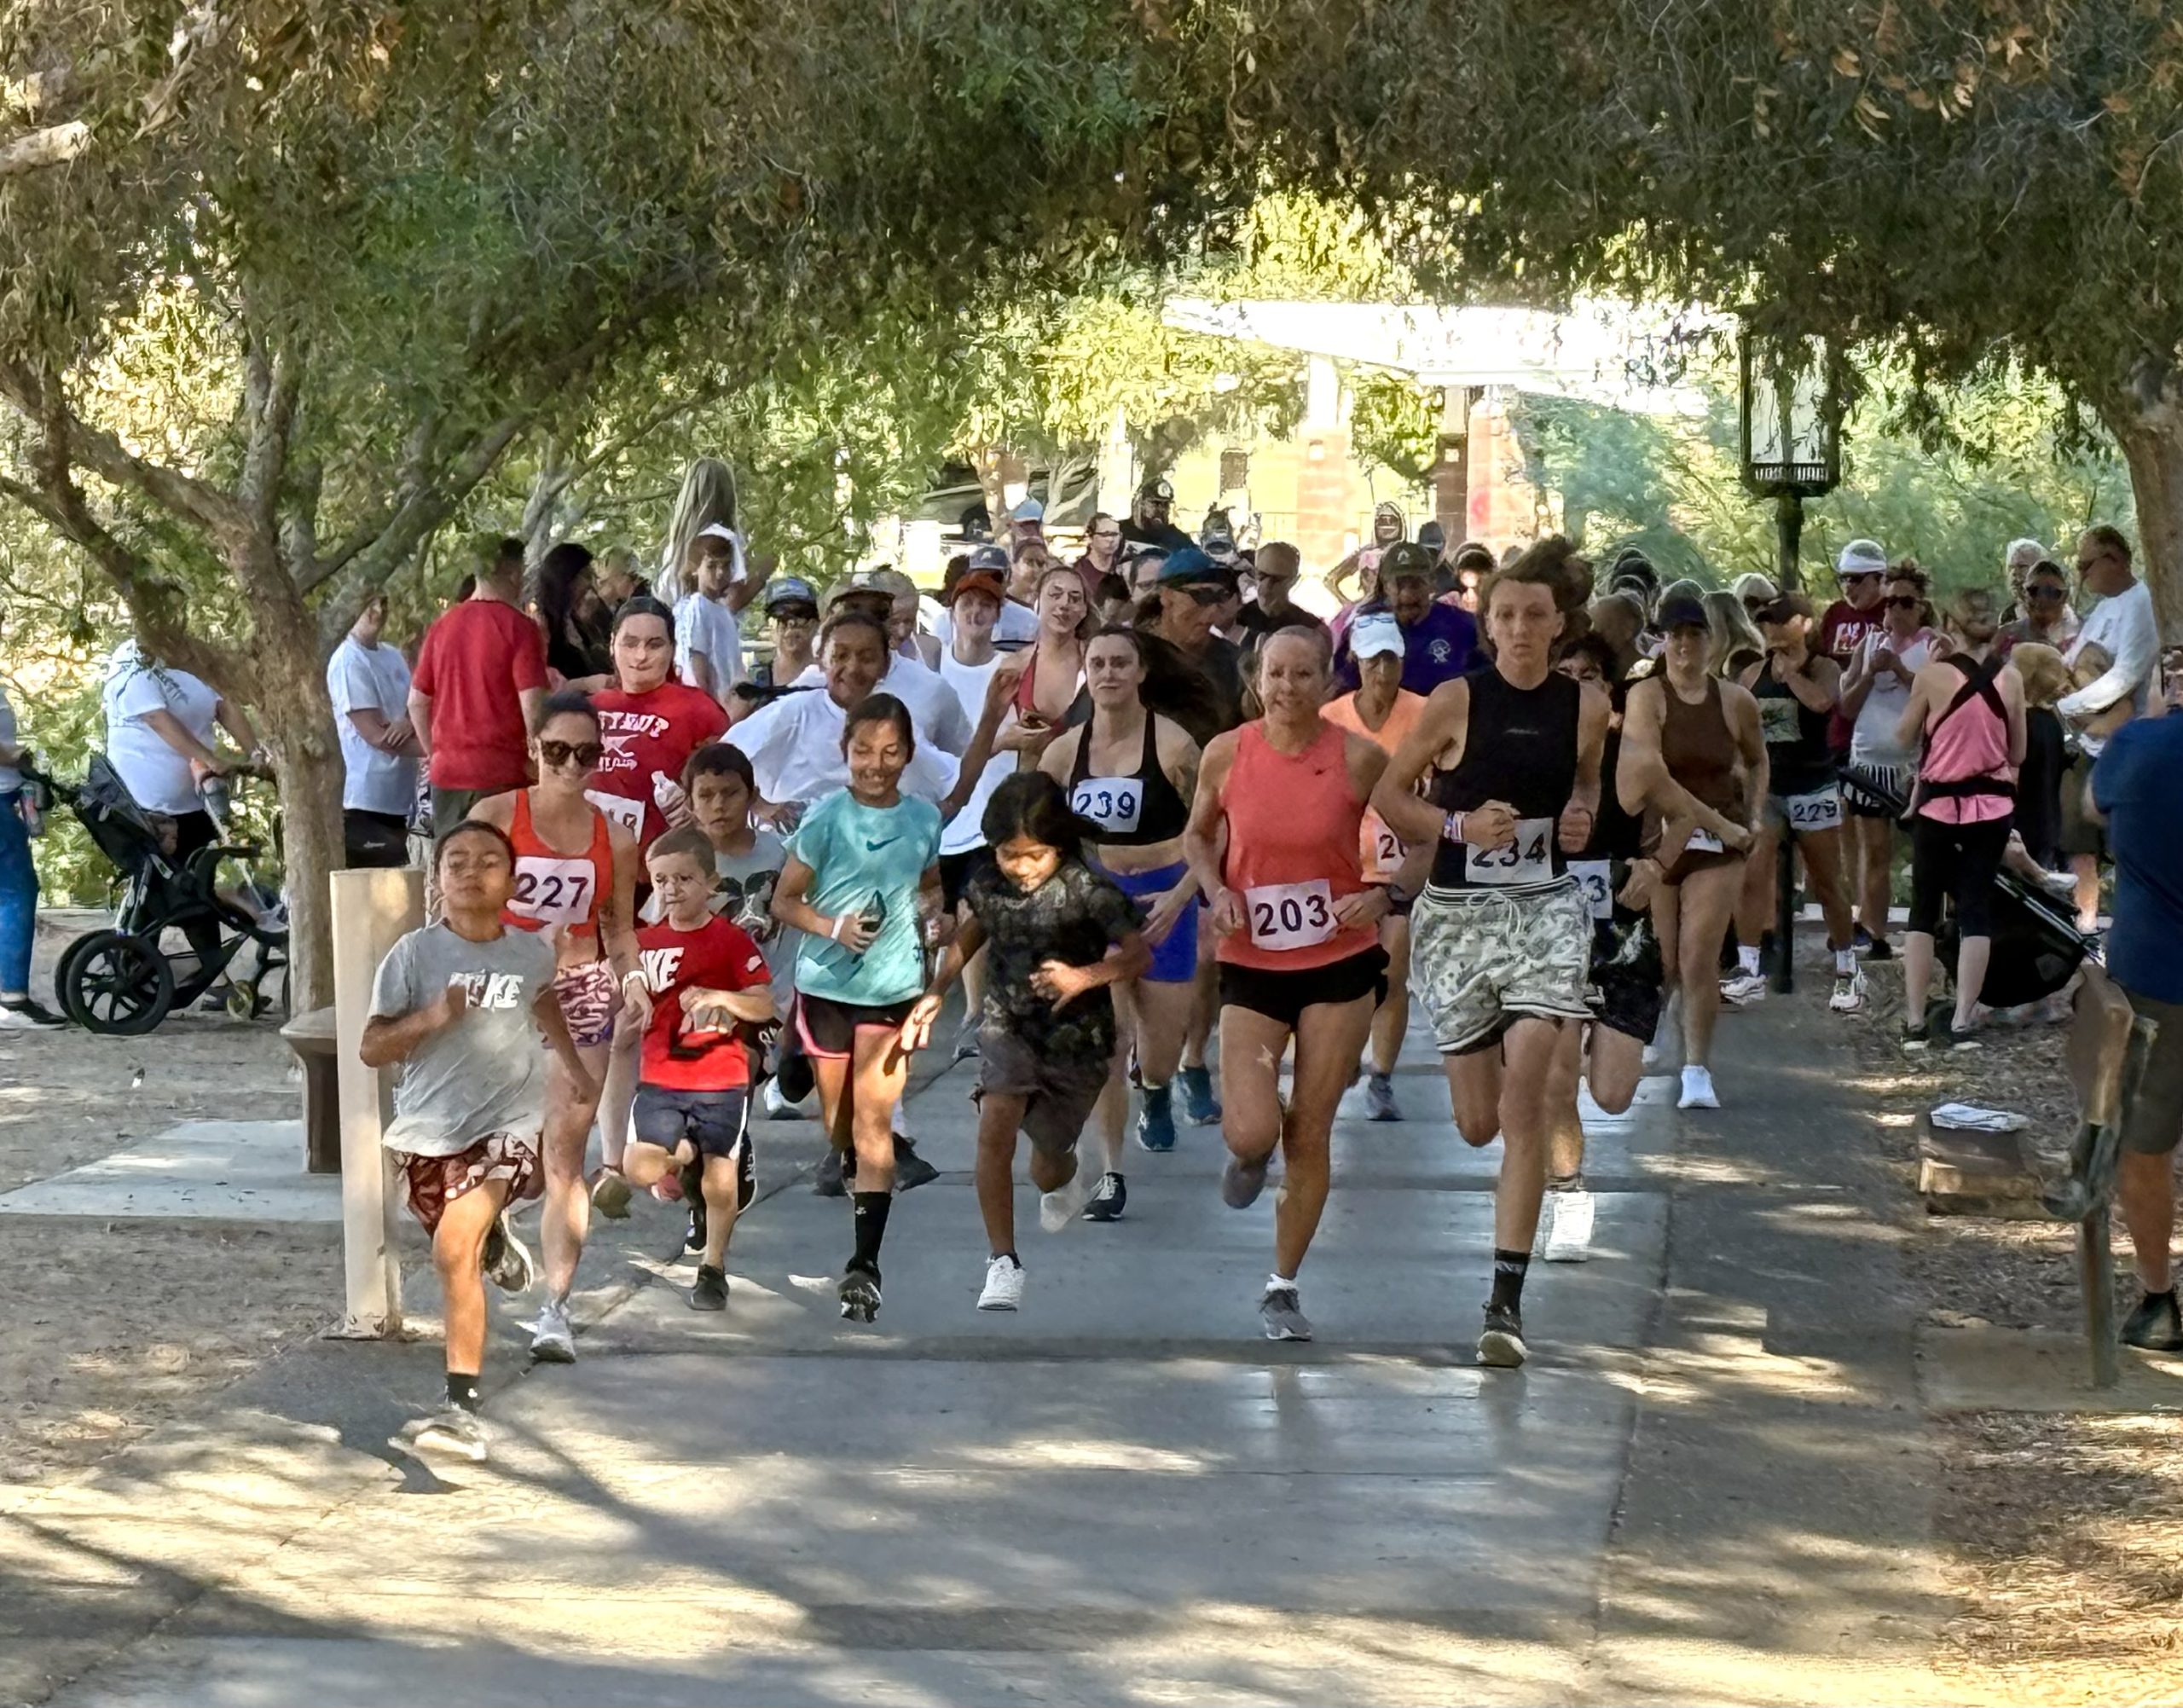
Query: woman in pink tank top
pixel 1966 707
pixel 1274 840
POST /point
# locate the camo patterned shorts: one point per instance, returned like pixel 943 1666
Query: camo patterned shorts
pixel 1480 958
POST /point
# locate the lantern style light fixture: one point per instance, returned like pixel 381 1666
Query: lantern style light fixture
pixel 1789 419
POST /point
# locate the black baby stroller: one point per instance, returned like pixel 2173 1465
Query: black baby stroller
pixel 123 980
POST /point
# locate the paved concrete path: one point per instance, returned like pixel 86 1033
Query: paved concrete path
pixel 1122 1494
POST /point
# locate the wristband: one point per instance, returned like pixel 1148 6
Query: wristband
pixel 834 933
pixel 1451 828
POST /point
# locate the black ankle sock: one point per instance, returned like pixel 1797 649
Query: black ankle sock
pixel 463 1391
pixel 871 1211
pixel 2155 1298
pixel 1508 1270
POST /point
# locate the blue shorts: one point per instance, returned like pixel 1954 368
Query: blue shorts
pixel 1175 961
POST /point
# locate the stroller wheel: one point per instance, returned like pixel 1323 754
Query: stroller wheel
pixel 64 975
pixel 117 984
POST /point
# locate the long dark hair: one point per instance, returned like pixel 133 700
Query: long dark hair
pixel 558 571
pixel 1032 804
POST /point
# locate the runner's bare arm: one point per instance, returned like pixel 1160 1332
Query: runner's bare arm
pixel 1178 754
pixel 1751 742
pixel 1442 725
pixel 547 1012
pixel 1062 983
pixel 1818 685
pixel 389 1039
pixel 2011 691
pixel 420 720
pixel 1641 778
pixel 791 909
pixel 1594 712
pixel 755 1004
pixel 917 1024
pixel 617 910
pixel 1910 727
pixel 1205 839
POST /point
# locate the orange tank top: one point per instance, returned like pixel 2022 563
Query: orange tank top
pixel 1381 849
pixel 1293 834
pixel 555 888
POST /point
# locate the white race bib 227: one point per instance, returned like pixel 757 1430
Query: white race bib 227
pixel 1528 860
pixel 1290 916
pixel 555 890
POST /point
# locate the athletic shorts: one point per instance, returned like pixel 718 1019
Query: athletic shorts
pixel 828 1029
pixel 430 1183
pixel 1877 791
pixel 1174 961
pixel 1627 975
pixel 1057 1094
pixel 716 1122
pixel 590 996
pixel 1283 996
pixel 955 870
pixel 1806 812
pixel 1481 959
pixel 2154 1120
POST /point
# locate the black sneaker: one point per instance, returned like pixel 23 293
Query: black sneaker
pixel 710 1292
pixel 1108 1200
pixel 910 1170
pixel 693 1181
pixel 1917 1035
pixel 2155 1324
pixel 1860 939
pixel 21 1012
pixel 1501 1342
pixel 836 1169
pixel 859 1295
pixel 1881 950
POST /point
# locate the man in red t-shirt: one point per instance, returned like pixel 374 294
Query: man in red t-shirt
pixel 1860 570
pixel 480 676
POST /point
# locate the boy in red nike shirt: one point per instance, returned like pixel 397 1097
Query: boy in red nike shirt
pixel 708 985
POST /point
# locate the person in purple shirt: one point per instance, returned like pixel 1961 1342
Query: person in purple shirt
pixel 1439 641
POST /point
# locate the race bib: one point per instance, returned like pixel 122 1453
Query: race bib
pixel 1528 860
pixel 1820 810
pixel 620 809
pixel 1290 916
pixel 554 890
pixel 1381 848
pixel 1777 720
pixel 1595 877
pixel 1110 802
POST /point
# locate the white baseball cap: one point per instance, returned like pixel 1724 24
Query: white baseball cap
pixel 1376 633
pixel 1862 558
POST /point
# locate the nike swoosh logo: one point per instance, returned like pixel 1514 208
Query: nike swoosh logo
pixel 874 848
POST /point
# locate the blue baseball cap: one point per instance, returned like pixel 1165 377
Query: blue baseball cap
pixel 790 590
pixel 1192 567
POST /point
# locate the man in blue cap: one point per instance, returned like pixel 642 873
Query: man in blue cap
pixel 1192 674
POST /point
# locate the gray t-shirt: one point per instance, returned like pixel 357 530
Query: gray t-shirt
pixel 486 1074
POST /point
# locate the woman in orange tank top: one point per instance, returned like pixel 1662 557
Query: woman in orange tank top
pixel 575 880
pixel 1274 837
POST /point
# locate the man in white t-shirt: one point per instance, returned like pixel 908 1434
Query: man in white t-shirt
pixel 1018 624
pixel 708 641
pixel 369 683
pixel 2122 626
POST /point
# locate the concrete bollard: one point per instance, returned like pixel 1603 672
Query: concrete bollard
pixel 371 910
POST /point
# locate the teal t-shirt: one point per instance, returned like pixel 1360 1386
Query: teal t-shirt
pixel 856 852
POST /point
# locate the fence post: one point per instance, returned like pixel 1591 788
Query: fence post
pixel 1785 915
pixel 371 909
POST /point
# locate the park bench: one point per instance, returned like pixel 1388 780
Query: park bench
pixel 2109 1043
pixel 312 1036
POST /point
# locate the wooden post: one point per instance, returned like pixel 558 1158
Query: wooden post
pixel 2096 1272
pixel 371 909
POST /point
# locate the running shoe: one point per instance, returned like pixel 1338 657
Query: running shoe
pixel 1241 1182
pixel 1962 1041
pixel 1283 1317
pixel 1698 1092
pixel 910 1168
pixel 779 1107
pixel 1881 950
pixel 1860 939
pixel 1200 1107
pixel 1108 1200
pixel 1058 1208
pixel 1501 1342
pixel 1380 1097
pixel 693 1237
pixel 1848 992
pixel 2155 1324
pixel 710 1291
pixel 1155 1119
pixel 1003 1289
pixel 1917 1035
pixel 610 1194
pixel 454 1434
pixel 859 1294
pixel 553 1337
pixel 1744 989
pixel 507 1260
pixel 25 1014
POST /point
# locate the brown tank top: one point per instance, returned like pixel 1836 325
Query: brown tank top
pixel 1699 749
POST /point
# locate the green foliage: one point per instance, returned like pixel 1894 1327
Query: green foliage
pixel 1395 423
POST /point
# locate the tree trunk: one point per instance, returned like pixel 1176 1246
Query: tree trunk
pixel 299 720
pixel 2153 445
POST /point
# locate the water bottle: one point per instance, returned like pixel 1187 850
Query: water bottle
pixel 218 801
pixel 33 804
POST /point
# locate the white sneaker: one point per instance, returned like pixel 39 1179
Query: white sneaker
pixel 1744 989
pixel 1004 1285
pixel 1698 1092
pixel 1848 992
pixel 1060 1207
pixel 553 1338
pixel 777 1107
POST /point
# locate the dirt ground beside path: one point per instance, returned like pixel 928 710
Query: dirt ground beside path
pixel 113 1326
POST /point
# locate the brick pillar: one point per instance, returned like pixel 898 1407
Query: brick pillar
pixel 1323 497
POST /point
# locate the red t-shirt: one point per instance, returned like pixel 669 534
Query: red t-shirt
pixel 648 736
pixel 717 956
pixel 1841 629
pixel 476 661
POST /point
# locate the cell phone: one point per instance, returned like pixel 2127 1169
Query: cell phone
pixel 1035 722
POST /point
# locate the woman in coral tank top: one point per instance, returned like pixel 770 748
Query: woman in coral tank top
pixel 1274 838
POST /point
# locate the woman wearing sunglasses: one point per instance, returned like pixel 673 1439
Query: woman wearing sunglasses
pixel 1875 690
pixel 2047 620
pixel 576 874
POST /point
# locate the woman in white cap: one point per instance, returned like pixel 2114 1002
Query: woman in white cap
pixel 1861 571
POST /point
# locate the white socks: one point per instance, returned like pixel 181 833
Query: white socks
pixel 1747 959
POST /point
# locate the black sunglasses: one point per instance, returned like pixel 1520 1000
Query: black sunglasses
pixel 1905 601
pixel 1206 592
pixel 1849 575
pixel 553 755
pixel 2046 595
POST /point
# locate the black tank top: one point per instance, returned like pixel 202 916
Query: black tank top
pixel 1132 811
pixel 1519 746
pixel 1798 761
